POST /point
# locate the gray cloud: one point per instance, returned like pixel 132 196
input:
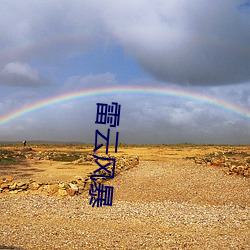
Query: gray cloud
pixel 47 30
pixel 185 42
pixel 21 74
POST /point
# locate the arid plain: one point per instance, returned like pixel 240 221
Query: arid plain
pixel 165 197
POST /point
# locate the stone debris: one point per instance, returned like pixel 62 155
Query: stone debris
pixel 74 187
pixel 232 162
pixel 157 205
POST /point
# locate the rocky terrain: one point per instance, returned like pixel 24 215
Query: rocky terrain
pixel 167 201
pixel 232 162
pixel 74 186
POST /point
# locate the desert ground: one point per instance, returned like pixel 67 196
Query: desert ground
pixel 174 197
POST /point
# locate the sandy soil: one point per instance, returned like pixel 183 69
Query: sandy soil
pixel 167 202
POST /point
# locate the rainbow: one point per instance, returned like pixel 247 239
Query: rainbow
pixel 124 90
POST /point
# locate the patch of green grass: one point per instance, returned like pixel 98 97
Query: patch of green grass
pixel 8 161
pixel 8 157
pixel 6 151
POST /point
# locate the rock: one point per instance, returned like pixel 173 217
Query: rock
pixel 87 184
pixel 77 161
pixel 62 185
pixel 208 159
pixel 29 156
pixel 246 173
pixel 22 185
pixel 13 186
pixel 52 189
pixel 62 192
pixel 198 161
pixel 216 154
pixel 240 169
pixel 217 161
pixel 80 188
pixel 232 168
pixel 73 187
pixel 34 186
pixel 89 158
pixel 14 191
pixel 70 191
pixel 4 185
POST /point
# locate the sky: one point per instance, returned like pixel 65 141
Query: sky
pixel 198 50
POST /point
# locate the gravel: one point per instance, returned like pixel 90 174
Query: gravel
pixel 158 205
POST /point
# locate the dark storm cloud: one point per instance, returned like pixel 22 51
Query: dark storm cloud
pixel 187 42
